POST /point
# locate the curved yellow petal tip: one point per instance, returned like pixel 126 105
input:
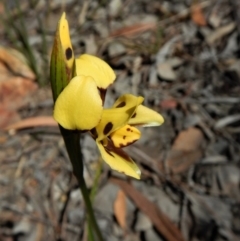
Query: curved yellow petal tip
pixel 119 161
pixel 79 106
pixel 144 116
pixel 98 69
pixel 65 40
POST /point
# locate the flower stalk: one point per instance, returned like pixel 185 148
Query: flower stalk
pixel 72 143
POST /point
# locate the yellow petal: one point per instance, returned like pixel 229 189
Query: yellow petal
pixel 65 40
pixel 79 106
pixel 118 160
pixel 62 58
pixel 125 136
pixel 145 117
pixel 99 70
pixel 115 118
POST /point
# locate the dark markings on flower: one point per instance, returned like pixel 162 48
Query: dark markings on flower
pixel 102 94
pixel 134 115
pixel 68 53
pixel 124 137
pixel 108 128
pixel 129 129
pixel 94 133
pixel 121 145
pixel 108 152
pixel 111 148
pixel 122 104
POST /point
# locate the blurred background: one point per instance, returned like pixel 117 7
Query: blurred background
pixel 182 56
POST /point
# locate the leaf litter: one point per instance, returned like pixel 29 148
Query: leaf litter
pixel 183 57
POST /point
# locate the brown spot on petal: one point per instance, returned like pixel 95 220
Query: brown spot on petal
pixel 124 137
pixel 134 115
pixel 68 53
pixel 108 128
pixel 129 129
pixel 118 151
pixel 122 104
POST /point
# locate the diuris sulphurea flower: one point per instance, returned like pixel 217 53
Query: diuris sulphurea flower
pixel 79 105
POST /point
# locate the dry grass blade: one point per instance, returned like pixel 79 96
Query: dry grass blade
pixel 159 219
pixel 33 122
pixel 220 33
pixel 133 30
pixel 227 121
pixel 14 61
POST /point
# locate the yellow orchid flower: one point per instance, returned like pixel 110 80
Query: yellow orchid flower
pixel 116 130
pixel 80 107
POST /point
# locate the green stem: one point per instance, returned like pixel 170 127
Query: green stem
pixel 72 142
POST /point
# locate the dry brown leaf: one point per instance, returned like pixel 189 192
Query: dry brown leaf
pixel 197 15
pixel 14 90
pixel 158 218
pixel 185 151
pixel 33 122
pixel 188 140
pixel 168 104
pixel 14 61
pixel 120 209
pixel 4 72
pixel 220 33
pixel 133 30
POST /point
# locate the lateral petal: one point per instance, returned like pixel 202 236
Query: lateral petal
pixel 115 118
pixel 98 69
pixel 118 160
pixel 145 117
pixel 79 105
pixel 125 136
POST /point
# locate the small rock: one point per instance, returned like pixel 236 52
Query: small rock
pixel 175 62
pixel 114 7
pixel 166 72
pixel 122 84
pixel 151 235
pixel 214 19
pixel 143 222
pixel 22 227
pixel 105 198
pixel 76 216
pixel 101 29
pixel 116 49
pixel 91 46
pixel 167 206
pixel 153 81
